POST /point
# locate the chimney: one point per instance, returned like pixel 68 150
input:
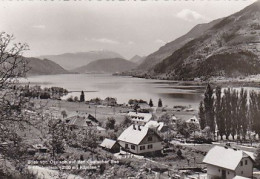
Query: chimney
pixel 139 128
pixel 134 127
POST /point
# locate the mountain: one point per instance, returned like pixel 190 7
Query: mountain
pixel 137 59
pixel 70 61
pixel 113 65
pixel 166 50
pixel 44 67
pixel 231 47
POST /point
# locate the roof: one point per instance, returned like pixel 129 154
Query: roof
pixel 226 157
pixel 108 143
pixel 240 177
pixel 145 117
pixel 133 135
pixel 100 128
pixel 78 121
pixel 154 124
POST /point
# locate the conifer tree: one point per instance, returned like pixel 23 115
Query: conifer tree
pixel 209 108
pixel 82 96
pixel 160 103
pixel 202 116
pixel 151 103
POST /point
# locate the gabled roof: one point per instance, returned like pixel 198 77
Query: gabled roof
pixel 144 117
pixel 108 143
pixel 133 135
pixel 240 177
pixel 226 157
pixel 154 124
pixel 78 121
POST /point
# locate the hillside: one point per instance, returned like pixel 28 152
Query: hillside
pixel 70 61
pixel 137 59
pixel 230 48
pixel 44 67
pixel 113 65
pixel 166 50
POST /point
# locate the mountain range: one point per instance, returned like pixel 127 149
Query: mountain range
pixel 224 47
pixel 114 65
pixel 70 61
pixel 44 67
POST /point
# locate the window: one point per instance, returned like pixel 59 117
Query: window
pixel 218 170
pixel 150 138
pixel 150 146
pixel 245 162
pixel 126 146
pixel 241 163
pixel 242 172
pixel 133 147
pixel 142 147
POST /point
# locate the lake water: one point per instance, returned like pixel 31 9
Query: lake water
pixel 123 88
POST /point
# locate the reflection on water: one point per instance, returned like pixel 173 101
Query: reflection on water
pixel 124 88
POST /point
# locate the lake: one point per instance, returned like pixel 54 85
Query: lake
pixel 123 88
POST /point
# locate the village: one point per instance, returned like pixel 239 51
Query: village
pixel 102 139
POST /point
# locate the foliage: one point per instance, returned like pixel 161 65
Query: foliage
pixel 160 103
pixel 82 96
pixel 257 157
pixel 110 124
pixel 202 115
pixel 151 103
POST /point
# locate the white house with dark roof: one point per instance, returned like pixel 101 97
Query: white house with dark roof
pixel 140 118
pixel 140 139
pixel 227 163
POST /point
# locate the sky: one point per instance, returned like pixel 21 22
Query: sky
pixel 126 27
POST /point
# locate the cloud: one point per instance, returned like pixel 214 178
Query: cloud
pixel 106 41
pixel 159 41
pixel 190 15
pixel 39 26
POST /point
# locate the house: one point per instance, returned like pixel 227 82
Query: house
pixel 110 145
pixel 140 140
pixel 227 163
pixel 158 126
pixel 193 120
pixel 109 101
pixel 81 121
pixel 140 118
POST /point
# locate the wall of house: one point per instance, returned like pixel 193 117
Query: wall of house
pixel 245 170
pixel 214 172
pixel 157 146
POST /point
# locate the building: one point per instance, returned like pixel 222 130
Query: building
pixel 110 145
pixel 140 140
pixel 227 163
pixel 139 118
pixel 158 126
pixel 81 121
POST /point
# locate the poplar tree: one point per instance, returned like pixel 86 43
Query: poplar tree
pixel 228 121
pixel 151 103
pixel 160 103
pixel 218 107
pixel 209 108
pixel 243 112
pixel 202 116
pixel 82 96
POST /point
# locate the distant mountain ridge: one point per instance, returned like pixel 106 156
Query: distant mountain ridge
pixel 71 61
pixel 230 48
pixel 137 59
pixel 166 50
pixel 113 65
pixel 44 67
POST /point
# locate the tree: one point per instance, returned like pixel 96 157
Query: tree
pixel 76 99
pixel 57 136
pixel 257 157
pixel 202 115
pixel 209 108
pixel 160 103
pixel 82 97
pixel 110 124
pixel 228 121
pixel 127 121
pixel 64 114
pixel 151 103
pixel 243 119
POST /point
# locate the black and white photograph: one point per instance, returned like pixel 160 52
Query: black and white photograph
pixel 130 89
